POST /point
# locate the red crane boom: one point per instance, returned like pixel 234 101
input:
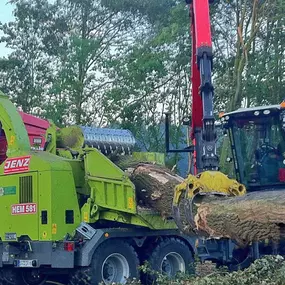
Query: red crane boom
pixel 203 132
pixel 203 122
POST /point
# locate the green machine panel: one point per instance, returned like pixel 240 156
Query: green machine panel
pixel 59 209
pixel 19 204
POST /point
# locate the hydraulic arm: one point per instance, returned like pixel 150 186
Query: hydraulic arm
pixel 207 180
pixel 203 132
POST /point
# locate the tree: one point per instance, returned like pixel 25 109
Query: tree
pixel 92 33
pixel 152 76
pixel 26 73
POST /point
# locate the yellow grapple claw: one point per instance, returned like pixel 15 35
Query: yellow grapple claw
pixel 213 181
pixel 207 182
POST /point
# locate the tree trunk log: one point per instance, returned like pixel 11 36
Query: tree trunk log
pixel 154 183
pixel 154 187
pixel 256 216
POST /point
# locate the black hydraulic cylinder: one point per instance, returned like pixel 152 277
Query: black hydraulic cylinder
pixel 208 148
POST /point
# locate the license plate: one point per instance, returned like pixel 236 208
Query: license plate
pixel 10 236
pixel 24 263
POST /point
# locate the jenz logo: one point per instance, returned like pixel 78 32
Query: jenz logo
pixel 17 164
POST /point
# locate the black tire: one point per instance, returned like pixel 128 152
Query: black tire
pixel 33 278
pixel 10 276
pixel 172 254
pixel 13 276
pixel 109 251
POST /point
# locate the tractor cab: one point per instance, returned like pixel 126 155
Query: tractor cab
pixel 257 137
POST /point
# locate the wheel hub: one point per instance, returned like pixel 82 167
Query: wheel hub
pixel 115 269
pixel 172 264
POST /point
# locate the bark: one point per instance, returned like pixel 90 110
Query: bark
pixel 155 187
pixel 256 216
pixel 154 183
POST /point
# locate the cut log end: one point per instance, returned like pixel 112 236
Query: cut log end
pixel 154 187
pixel 154 183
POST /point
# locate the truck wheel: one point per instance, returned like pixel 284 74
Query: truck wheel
pixel 33 277
pixel 113 261
pixel 17 277
pixel 169 257
pixel 10 277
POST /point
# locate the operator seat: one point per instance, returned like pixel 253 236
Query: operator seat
pixel 268 165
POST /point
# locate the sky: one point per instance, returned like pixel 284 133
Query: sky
pixel 5 16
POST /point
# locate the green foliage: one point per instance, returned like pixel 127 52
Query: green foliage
pixel 26 72
pixel 152 74
pixel 154 10
pixel 269 270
